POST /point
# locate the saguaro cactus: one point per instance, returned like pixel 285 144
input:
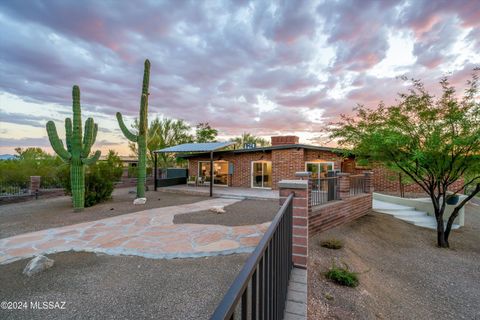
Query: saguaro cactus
pixel 78 149
pixel 142 137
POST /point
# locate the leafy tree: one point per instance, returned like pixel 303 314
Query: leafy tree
pixel 249 138
pixel 164 133
pixel 435 141
pixel 205 133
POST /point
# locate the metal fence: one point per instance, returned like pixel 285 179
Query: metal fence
pixel 357 184
pixel 12 190
pixel 324 190
pixel 260 289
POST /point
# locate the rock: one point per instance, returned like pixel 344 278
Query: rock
pixel 217 210
pixel 37 264
pixel 140 201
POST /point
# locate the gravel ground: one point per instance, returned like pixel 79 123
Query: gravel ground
pixel 403 275
pixel 246 212
pixel 18 218
pixel 108 287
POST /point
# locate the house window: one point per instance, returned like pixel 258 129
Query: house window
pixel 220 172
pixel 319 169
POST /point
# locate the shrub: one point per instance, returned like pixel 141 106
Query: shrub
pixel 31 162
pixel 331 244
pixel 342 276
pixel 99 179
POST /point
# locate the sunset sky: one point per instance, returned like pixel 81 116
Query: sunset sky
pixel 263 67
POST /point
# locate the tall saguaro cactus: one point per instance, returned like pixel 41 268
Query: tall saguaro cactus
pixel 142 137
pixel 78 148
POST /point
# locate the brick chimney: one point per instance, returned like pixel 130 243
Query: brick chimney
pixel 283 140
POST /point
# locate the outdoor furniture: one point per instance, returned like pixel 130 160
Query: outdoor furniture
pixel 192 181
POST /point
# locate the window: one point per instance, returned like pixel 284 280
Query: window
pixel 319 169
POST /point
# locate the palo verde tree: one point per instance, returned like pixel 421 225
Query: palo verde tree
pixel 141 139
pixel 78 148
pixel 434 141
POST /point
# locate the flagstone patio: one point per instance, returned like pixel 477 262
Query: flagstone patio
pixel 149 233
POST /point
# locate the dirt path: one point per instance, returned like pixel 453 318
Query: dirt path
pixel 403 275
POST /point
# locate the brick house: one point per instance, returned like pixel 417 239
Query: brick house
pixel 264 167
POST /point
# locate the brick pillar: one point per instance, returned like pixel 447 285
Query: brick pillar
pixel 34 184
pixel 368 182
pixel 344 185
pixel 301 208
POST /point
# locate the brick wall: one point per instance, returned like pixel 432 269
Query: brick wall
pixel 335 213
pixel 385 180
pixel 285 163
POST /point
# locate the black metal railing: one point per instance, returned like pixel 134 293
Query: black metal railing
pixel 260 289
pixel 324 190
pixel 357 184
pixel 11 190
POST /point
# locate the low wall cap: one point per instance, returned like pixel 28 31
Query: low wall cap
pixel 293 184
pixel 303 174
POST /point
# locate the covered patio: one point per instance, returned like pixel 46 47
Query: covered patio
pixel 209 147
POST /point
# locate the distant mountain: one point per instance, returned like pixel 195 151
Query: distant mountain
pixel 7 156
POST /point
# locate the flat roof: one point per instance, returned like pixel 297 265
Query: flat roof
pixel 196 147
pixel 280 147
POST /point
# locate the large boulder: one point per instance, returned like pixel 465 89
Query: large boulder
pixel 37 264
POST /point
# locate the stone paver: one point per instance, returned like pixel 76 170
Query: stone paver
pixel 150 233
pixel 296 307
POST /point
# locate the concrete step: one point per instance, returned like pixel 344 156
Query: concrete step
pixel 382 205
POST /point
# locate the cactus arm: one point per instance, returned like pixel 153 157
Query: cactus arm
pixel 68 133
pixel 88 139
pixel 56 143
pixel 92 159
pixel 95 130
pixel 130 136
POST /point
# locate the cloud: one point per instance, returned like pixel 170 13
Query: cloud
pixel 23 119
pixel 211 61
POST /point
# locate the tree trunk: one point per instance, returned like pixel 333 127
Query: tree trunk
pixel 442 241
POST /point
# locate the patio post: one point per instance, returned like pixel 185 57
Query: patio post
pixel 155 173
pixel 211 173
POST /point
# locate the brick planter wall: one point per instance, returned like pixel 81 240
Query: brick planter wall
pixel 335 213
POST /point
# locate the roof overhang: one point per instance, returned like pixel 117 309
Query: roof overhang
pixel 196 147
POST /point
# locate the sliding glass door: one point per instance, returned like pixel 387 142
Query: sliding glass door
pixel 261 174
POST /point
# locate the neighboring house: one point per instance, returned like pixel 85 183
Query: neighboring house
pixel 129 164
pixel 264 167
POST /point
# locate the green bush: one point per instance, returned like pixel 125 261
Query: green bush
pixel 31 162
pixel 342 276
pixel 99 179
pixel 331 244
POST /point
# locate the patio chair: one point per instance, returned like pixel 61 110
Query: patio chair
pixel 192 181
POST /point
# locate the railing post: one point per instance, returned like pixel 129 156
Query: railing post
pixel 301 208
pixel 368 182
pixel 344 185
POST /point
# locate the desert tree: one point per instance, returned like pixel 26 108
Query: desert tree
pixel 434 141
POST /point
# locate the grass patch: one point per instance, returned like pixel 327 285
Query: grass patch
pixel 342 276
pixel 333 243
